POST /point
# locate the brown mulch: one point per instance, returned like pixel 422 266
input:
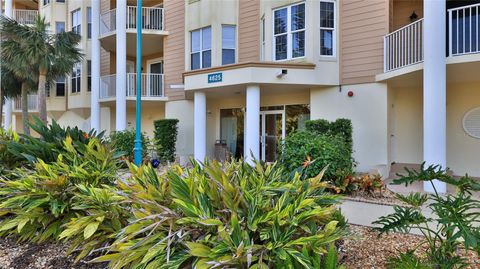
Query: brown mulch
pixel 364 249
pixel 383 196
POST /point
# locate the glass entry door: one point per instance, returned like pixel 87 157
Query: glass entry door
pixel 272 131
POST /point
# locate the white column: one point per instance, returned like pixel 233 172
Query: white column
pixel 200 126
pixel 434 88
pixel 252 126
pixel 95 105
pixel 8 102
pixel 121 92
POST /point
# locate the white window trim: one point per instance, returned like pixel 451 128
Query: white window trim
pixel 334 31
pixel 201 47
pixel 234 48
pixel 89 23
pixel 289 32
pixel 79 17
pixel 78 76
pixel 155 61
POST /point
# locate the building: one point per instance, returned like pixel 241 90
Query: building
pixel 250 71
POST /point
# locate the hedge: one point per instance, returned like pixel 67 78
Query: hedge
pixel 165 138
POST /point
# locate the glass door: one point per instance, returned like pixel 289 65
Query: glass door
pixel 272 131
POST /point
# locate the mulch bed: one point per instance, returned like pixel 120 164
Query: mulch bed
pixel 383 196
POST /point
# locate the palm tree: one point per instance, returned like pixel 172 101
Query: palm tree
pixel 48 55
pixel 10 88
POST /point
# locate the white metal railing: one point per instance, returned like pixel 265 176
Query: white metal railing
pixel 152 85
pixel 25 16
pixel 464 24
pixel 108 86
pixel 152 19
pixel 404 46
pixel 32 101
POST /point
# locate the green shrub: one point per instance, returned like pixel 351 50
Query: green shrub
pixel 456 218
pixel 323 150
pixel 227 215
pixel 124 142
pixel 165 139
pixel 7 159
pixel 342 127
pixel 36 206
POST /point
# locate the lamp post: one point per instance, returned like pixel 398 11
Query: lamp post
pixel 138 116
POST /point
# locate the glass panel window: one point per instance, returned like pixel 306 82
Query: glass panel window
pixel 76 77
pixel 89 22
pixel 228 44
pixel 46 2
pixel 289 32
pixel 60 1
pixel 59 26
pixel 296 116
pixel 201 48
pixel 76 21
pixel 89 75
pixel 327 28
pixel 231 130
pixel 60 86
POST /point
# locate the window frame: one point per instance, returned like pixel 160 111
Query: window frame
pixel 77 79
pixel 89 75
pixel 56 26
pixel 64 83
pixel 77 28
pixel 334 30
pixel 89 22
pixel 202 50
pixel 234 48
pixel 289 32
pixel 46 2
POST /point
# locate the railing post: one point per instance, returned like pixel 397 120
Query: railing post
pixel 385 56
pixel 450 36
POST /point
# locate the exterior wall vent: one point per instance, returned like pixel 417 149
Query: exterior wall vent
pixel 471 123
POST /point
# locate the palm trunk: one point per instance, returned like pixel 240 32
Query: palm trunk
pixel 25 119
pixel 42 98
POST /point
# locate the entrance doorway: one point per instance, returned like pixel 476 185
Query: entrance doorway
pixel 272 132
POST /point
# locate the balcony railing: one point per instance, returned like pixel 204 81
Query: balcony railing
pixel 152 19
pixel 25 16
pixel 464 32
pixel 404 46
pixel 152 85
pixel 32 101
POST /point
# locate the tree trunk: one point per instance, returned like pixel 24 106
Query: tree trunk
pixel 25 119
pixel 1 108
pixel 42 98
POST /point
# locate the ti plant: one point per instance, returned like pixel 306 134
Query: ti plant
pixel 452 227
pixel 229 215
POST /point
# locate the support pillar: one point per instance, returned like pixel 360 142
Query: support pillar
pixel 200 126
pixel 252 126
pixel 95 105
pixel 434 89
pixel 8 102
pixel 121 79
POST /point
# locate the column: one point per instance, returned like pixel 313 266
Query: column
pixel 121 79
pixel 200 126
pixel 434 88
pixel 8 101
pixel 252 126
pixel 95 105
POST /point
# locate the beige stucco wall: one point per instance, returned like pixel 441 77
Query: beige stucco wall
pixel 150 113
pixel 183 111
pixel 369 114
pixel 462 150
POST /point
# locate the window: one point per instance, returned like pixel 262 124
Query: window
pixel 76 21
pixel 46 2
pixel 59 27
pixel 228 44
pixel 327 28
pixel 289 32
pixel 60 1
pixel 89 75
pixel 89 22
pixel 201 47
pixel 76 77
pixel 60 86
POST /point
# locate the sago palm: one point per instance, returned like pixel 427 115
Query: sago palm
pixel 48 55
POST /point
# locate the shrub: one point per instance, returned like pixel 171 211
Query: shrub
pixel 165 139
pixel 37 205
pixel 226 215
pixel 7 159
pixel 456 217
pixel 323 150
pixel 342 127
pixel 124 142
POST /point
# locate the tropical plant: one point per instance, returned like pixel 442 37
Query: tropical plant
pixel 9 88
pixel 124 142
pixel 452 226
pixel 36 205
pixel 46 55
pixel 7 160
pixel 165 139
pixel 227 215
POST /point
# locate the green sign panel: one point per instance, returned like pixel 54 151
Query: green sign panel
pixel 215 77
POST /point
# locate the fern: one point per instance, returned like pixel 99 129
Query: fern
pixel 401 220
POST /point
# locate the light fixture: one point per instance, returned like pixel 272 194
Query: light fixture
pixel 413 17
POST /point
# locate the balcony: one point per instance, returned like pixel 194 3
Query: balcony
pixel 152 87
pixel 32 103
pixel 152 29
pixel 404 47
pixel 25 16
